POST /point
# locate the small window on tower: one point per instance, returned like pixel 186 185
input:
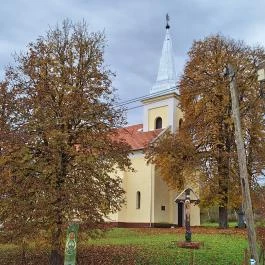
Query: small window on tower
pixel 158 124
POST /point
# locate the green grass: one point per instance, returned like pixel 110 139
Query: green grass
pixel 148 246
pixel 158 246
pixel 214 224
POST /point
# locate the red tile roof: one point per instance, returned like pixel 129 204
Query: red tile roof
pixel 135 137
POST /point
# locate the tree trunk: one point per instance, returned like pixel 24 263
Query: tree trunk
pixel 223 170
pixel 223 192
pixel 56 257
pixel 243 168
pixel 23 253
pixel 223 160
pixel 223 217
pixel 240 216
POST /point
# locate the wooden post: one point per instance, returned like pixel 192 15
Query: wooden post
pixel 187 216
pixel 243 166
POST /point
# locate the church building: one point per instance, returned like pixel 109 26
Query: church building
pixel 149 200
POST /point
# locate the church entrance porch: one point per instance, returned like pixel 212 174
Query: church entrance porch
pixel 192 212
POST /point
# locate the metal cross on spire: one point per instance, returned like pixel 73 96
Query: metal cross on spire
pixel 167 19
pixel 166 77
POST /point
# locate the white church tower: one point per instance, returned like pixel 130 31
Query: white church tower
pixel 161 107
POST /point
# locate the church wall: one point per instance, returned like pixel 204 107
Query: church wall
pixel 114 217
pixel 165 107
pixel 161 198
pixel 121 215
pixel 195 215
pixel 173 213
pixel 148 181
pixel 165 196
pixel 152 110
pixel 139 180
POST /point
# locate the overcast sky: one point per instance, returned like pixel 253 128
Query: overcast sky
pixel 135 31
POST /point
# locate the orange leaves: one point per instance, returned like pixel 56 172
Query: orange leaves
pixel 175 159
pixel 206 142
pixel 62 157
pixel 205 100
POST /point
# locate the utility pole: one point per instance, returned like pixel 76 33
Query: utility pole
pixel 243 167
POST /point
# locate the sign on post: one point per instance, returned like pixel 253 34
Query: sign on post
pixel 70 245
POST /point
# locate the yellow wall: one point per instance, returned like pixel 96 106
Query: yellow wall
pixel 161 198
pixel 114 217
pixel 157 112
pixel 140 180
pixel 163 195
pixel 173 210
pixel 154 194
pixel 195 215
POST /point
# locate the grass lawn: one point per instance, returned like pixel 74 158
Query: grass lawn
pixel 214 224
pixel 145 246
pixel 157 246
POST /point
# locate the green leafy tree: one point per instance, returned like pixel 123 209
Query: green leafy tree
pixel 63 166
pixel 207 133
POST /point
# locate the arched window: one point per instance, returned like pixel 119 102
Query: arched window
pixel 138 200
pixel 158 124
pixel 180 123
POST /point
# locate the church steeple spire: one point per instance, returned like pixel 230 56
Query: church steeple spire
pixel 166 77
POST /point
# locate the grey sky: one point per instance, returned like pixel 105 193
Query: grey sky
pixel 134 30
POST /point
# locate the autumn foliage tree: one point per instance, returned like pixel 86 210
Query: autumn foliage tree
pixel 62 165
pixel 206 140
